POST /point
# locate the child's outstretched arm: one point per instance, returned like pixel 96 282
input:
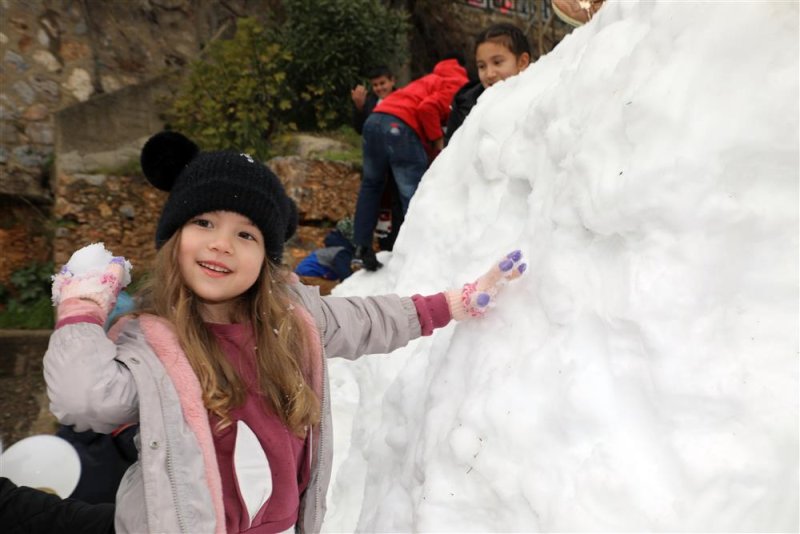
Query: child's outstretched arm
pixel 471 300
pixel 87 387
pixel 355 326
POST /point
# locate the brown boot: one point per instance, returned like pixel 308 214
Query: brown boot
pixel 576 12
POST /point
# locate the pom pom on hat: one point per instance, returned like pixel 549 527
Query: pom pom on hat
pixel 164 156
pixel 201 182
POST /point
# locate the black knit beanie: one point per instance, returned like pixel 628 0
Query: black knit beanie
pixel 200 182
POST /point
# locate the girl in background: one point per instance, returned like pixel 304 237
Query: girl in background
pixel 501 51
pixel 224 366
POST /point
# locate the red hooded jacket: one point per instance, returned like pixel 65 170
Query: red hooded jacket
pixel 424 104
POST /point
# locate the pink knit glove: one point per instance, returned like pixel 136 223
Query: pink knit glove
pixel 474 299
pixel 92 274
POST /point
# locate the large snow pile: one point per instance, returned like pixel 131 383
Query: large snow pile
pixel 643 375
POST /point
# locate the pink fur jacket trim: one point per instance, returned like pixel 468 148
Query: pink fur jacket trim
pixel 161 337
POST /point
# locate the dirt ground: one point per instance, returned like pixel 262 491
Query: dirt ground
pixel 23 399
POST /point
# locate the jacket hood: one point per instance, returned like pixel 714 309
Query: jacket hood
pixel 449 68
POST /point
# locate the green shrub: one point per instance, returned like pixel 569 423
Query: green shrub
pixel 28 304
pixel 296 74
pixel 237 96
pixel 333 43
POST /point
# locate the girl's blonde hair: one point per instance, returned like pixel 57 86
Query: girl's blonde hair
pixel 281 342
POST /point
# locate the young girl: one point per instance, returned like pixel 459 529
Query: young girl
pixel 224 368
pixel 501 51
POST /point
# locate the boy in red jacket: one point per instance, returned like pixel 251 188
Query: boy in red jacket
pixel 402 135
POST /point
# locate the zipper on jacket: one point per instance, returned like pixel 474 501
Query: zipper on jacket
pixel 314 479
pixel 171 475
pixel 321 449
pixel 324 399
pixel 170 468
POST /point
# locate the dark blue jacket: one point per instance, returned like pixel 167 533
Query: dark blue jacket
pixel 331 262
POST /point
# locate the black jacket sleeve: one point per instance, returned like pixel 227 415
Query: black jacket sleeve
pixel 463 101
pixel 26 510
pixel 359 117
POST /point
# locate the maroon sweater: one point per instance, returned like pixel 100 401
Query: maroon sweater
pixel 288 455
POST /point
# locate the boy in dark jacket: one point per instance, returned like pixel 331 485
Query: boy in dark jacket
pixel 26 510
pixel 382 82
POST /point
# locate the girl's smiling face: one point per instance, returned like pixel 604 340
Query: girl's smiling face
pixel 496 62
pixel 220 256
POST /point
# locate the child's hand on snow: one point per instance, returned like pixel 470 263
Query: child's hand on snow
pixel 92 273
pixel 474 299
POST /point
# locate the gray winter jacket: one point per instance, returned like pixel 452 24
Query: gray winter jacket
pixel 96 383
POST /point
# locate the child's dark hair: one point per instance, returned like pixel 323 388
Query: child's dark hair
pixel 378 71
pixel 457 55
pixel 506 34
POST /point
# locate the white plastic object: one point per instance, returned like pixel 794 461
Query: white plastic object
pixel 44 462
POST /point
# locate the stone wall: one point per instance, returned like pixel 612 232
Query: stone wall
pixel 56 54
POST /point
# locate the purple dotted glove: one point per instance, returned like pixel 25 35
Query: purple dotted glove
pixel 92 273
pixel 474 299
